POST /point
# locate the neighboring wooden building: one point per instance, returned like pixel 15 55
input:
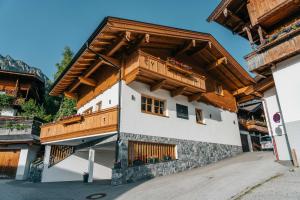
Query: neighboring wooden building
pixel 19 136
pixel 152 100
pixel 253 125
pixel 272 28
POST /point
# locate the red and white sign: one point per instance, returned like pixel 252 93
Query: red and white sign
pixel 276 117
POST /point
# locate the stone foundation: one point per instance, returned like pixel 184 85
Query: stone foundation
pixel 190 153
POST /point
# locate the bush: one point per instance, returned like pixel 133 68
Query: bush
pixel 5 100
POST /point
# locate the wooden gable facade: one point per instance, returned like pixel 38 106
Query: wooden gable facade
pixel 181 61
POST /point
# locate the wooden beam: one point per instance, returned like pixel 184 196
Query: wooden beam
pixel 157 85
pixel 178 91
pixel 240 91
pixel 87 81
pixel 195 97
pixel 199 48
pixel 110 61
pixel 217 63
pixel 138 42
pixel 186 47
pixel 71 95
pixel 118 45
pixel 250 38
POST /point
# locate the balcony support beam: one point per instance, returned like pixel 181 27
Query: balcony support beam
pixel 71 95
pixel 177 91
pixel 158 85
pixel 185 48
pixel 217 63
pixel 195 97
pixel 87 81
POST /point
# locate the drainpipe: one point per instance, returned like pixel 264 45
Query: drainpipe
pixel 119 98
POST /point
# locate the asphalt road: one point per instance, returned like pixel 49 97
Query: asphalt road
pixel 227 179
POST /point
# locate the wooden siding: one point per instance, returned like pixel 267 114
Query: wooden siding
pixel 91 124
pixel 275 53
pixel 59 153
pixel 143 151
pixel 9 160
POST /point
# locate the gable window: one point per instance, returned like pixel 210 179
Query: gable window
pixel 219 89
pixel 99 106
pixel 199 116
pixel 88 111
pixel 182 111
pixel 152 105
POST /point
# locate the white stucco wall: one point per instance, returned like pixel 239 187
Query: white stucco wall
pixel 222 127
pixel 271 107
pixel 73 167
pixel 287 82
pixel 109 99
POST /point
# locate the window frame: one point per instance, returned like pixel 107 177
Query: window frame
pixel 202 116
pixel 99 106
pixel 181 117
pixel 219 89
pixel 88 111
pixel 152 104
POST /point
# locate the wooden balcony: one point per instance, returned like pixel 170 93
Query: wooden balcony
pixel 19 129
pixel 275 51
pixel 95 123
pixel 268 13
pixel 254 125
pixel 159 73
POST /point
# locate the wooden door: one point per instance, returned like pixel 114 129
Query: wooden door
pixel 9 160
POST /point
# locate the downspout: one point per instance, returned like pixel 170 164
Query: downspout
pixel 119 99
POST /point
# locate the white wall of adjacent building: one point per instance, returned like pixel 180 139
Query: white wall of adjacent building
pixel 287 82
pixel 220 126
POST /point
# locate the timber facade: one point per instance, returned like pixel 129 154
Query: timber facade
pixel 145 94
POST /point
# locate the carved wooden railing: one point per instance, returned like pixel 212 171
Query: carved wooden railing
pixel 95 123
pixel 165 69
pixel 254 125
pixel 275 51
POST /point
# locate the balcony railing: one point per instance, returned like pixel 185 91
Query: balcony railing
pixel 19 126
pixel 157 69
pixel 275 51
pixel 80 125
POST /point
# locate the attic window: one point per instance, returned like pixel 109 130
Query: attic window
pixel 219 89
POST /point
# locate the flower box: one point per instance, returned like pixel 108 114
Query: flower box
pixel 71 120
pixel 179 67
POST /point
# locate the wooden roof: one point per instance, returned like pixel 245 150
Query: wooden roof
pixel 115 37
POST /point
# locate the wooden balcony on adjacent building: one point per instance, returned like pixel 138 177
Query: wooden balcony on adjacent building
pixel 275 51
pixel 158 73
pixel 72 127
pixel 19 129
pixel 268 13
pixel 254 125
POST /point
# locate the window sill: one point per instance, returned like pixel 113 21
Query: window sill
pixel 159 115
pixel 203 123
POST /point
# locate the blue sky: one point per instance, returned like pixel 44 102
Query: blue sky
pixel 36 31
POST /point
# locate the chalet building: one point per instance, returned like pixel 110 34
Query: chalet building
pixel 152 100
pixel 272 28
pixel 19 136
pixel 252 125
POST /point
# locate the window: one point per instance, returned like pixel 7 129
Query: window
pixel 182 111
pixel 88 111
pixel 147 152
pixel 219 89
pixel 152 105
pixel 199 116
pixel 99 106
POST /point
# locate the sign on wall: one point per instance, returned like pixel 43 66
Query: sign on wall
pixel 276 117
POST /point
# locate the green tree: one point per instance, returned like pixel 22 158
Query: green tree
pixel 67 57
pixel 31 109
pixel 67 106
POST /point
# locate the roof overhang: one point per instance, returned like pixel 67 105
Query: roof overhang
pixel 114 34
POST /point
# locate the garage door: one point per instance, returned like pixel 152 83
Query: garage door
pixel 9 160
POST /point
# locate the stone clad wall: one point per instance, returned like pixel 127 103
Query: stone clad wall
pixel 191 154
